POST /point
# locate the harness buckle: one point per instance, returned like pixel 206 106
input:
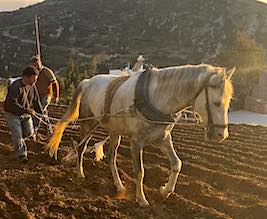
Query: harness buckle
pixel 132 110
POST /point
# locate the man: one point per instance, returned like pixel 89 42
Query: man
pixel 21 102
pixel 47 86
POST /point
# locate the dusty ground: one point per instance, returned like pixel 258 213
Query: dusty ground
pixel 217 180
pixel 247 117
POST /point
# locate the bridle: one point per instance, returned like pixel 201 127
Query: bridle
pixel 211 124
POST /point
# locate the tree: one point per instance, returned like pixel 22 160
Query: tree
pixel 248 57
pixel 75 73
pixel 71 79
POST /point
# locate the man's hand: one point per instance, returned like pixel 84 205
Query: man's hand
pixel 30 111
pixel 56 100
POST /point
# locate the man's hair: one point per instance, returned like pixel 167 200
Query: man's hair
pixel 29 71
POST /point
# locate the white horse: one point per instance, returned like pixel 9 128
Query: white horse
pixel 208 89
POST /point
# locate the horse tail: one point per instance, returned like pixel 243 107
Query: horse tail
pixel 71 115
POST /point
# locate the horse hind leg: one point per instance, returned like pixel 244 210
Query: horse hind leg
pixel 176 164
pixel 86 127
pixel 112 155
pixel 81 150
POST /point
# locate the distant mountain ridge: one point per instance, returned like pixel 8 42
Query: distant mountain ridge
pixel 168 32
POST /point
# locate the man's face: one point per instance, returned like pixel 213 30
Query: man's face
pixel 31 80
pixel 37 64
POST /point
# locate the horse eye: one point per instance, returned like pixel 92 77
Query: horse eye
pixel 218 104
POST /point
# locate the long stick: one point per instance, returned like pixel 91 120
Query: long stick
pixel 37 34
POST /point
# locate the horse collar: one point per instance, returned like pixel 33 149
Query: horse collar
pixel 142 101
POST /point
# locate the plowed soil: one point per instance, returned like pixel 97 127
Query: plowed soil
pixel 227 180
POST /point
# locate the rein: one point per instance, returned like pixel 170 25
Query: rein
pixel 170 119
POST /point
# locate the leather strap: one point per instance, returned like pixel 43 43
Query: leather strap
pixel 142 102
pixel 111 90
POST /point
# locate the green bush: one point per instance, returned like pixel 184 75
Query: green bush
pixel 249 59
pixel 73 76
pixel 3 90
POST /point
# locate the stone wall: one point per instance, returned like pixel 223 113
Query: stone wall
pixel 257 102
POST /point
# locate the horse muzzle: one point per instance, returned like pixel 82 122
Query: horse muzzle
pixel 218 134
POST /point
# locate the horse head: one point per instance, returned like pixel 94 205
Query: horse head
pixel 213 104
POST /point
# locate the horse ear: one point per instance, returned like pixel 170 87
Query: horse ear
pixel 215 80
pixel 230 73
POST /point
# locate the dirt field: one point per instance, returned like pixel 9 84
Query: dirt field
pixel 217 180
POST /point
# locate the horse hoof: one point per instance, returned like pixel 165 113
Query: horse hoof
pixel 165 194
pixel 121 190
pixel 143 203
pixel 80 176
pixel 122 194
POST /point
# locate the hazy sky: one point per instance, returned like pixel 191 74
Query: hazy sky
pixel 265 1
pixel 10 5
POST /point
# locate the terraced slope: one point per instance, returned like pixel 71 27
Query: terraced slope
pixel 217 180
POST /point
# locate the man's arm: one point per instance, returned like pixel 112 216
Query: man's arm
pixel 12 104
pixel 55 86
pixel 37 106
pixel 53 82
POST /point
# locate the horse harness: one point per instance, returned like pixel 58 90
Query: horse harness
pixel 110 92
pixel 211 125
pixel 143 104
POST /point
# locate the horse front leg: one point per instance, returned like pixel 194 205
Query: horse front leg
pixel 166 146
pixel 137 155
pixel 112 155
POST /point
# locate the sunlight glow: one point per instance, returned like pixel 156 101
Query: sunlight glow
pixel 10 5
pixel 264 1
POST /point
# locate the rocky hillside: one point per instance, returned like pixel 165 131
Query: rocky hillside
pixel 168 32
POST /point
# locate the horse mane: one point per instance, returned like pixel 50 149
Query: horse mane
pixel 186 79
pixel 228 92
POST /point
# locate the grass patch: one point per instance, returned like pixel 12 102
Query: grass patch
pixel 3 90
